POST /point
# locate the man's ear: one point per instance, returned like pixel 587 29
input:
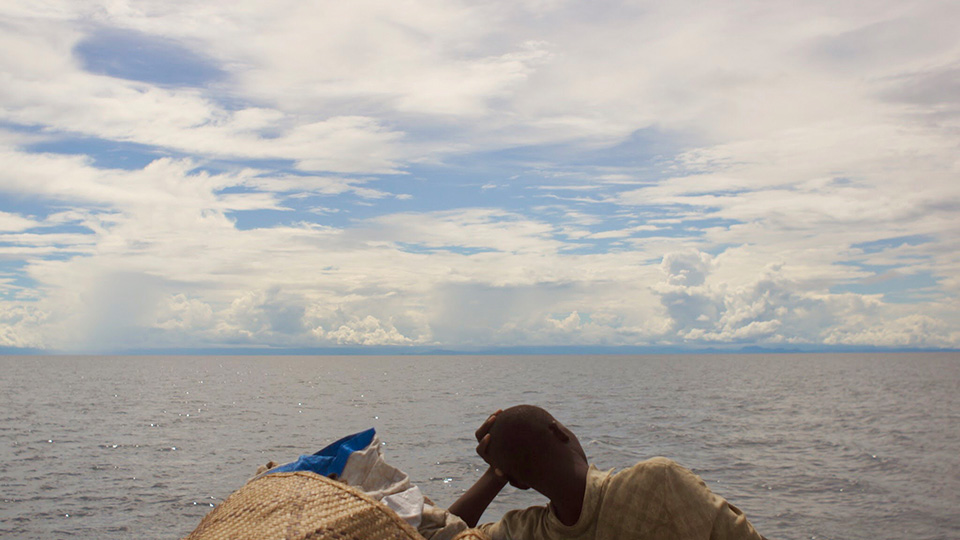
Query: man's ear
pixel 558 431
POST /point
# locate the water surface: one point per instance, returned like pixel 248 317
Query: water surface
pixel 808 446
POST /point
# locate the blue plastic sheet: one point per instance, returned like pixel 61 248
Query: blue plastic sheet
pixel 333 458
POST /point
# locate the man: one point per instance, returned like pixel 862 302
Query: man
pixel 528 448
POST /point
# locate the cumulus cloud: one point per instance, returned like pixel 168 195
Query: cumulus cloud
pixel 21 325
pixel 770 307
pixel 366 331
pixel 688 268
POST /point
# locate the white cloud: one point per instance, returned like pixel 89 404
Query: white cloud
pixel 688 268
pixel 21 325
pixel 770 307
pixel 569 323
pixel 185 314
pixel 301 186
pixel 366 331
pixel 15 222
pixel 52 90
pixel 805 132
pixel 479 228
pixel 913 330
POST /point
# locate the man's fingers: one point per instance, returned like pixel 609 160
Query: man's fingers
pixel 485 427
pixel 484 443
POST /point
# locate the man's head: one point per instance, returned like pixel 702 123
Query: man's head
pixel 532 448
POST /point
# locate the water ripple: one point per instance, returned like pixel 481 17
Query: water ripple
pixel 816 446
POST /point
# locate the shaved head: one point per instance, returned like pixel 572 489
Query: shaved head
pixel 520 434
pixel 527 443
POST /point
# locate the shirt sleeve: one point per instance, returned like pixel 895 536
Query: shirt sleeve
pixel 439 524
pixel 689 491
pixel 524 524
pixel 658 498
pixel 731 523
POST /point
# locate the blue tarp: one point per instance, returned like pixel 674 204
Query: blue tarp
pixel 333 458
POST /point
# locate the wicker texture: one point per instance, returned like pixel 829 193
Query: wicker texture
pixel 301 505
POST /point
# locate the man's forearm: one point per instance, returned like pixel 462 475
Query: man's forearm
pixel 470 506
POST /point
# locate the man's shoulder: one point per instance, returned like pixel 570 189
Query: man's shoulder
pixel 651 475
pixel 659 462
pixel 654 466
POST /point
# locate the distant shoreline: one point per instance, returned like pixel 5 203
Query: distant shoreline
pixel 532 350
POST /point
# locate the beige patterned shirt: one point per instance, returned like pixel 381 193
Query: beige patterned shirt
pixel 654 499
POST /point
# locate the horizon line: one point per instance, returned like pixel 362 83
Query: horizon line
pixel 519 350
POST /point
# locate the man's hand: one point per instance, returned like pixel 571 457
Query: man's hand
pixel 470 505
pixel 483 441
pixel 484 429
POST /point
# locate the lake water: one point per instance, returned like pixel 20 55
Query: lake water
pixel 808 446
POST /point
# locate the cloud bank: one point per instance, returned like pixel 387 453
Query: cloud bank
pixel 453 175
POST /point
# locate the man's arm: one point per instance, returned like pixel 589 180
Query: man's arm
pixel 470 506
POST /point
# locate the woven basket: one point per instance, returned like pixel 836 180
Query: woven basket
pixel 301 505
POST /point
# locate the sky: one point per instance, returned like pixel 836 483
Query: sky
pixel 464 175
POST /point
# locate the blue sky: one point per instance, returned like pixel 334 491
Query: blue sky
pixel 472 175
